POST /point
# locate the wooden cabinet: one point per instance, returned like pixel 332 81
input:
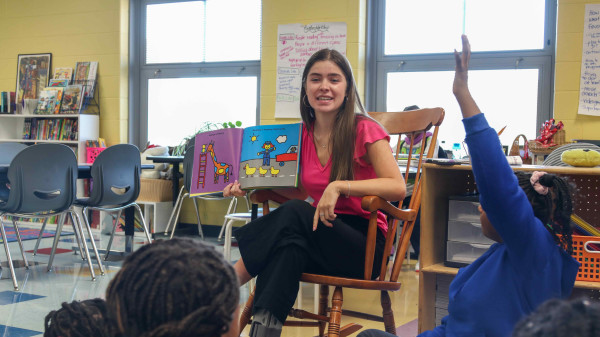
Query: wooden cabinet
pixel 11 130
pixel 440 182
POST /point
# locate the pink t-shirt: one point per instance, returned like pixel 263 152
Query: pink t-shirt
pixel 315 177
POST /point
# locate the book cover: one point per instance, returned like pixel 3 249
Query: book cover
pixel 264 156
pixel 91 79
pixel 72 99
pixel 58 83
pixel 63 74
pixel 49 101
pixel 81 71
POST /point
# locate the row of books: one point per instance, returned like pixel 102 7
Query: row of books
pixel 50 129
pixel 60 98
pixel 7 102
pixel 84 72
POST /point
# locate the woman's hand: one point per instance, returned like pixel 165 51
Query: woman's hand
pixel 233 190
pixel 326 205
pixel 460 85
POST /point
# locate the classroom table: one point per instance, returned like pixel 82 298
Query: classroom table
pixel 84 172
pixel 175 160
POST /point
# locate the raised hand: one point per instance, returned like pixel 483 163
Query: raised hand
pixel 461 73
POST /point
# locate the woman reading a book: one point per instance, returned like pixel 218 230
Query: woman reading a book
pixel 327 235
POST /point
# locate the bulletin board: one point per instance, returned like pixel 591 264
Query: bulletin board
pixel 589 87
pixel 295 44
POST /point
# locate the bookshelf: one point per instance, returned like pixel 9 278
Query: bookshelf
pixel 440 182
pixel 11 130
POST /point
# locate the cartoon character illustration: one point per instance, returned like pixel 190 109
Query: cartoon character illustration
pixel 249 170
pixel 262 171
pixel 274 172
pixel 290 155
pixel 221 169
pixel 268 148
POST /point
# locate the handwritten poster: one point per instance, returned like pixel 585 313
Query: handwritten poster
pixel 589 87
pixel 295 44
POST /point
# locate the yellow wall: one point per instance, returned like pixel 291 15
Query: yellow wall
pixel 280 12
pixel 72 30
pixel 568 70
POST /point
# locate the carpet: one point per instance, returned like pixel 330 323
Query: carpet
pixel 29 233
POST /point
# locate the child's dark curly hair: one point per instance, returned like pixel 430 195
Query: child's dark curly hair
pixel 562 318
pixel 177 287
pixel 85 318
pixel 553 209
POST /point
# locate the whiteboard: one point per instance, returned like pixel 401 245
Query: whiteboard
pixel 295 44
pixel 589 87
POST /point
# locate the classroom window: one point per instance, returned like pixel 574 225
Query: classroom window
pixel 511 62
pixel 193 63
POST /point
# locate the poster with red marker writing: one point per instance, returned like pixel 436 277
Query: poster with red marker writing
pixel 295 44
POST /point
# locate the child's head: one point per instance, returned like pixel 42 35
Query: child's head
pixel 550 198
pixel 562 318
pixel 85 318
pixel 178 287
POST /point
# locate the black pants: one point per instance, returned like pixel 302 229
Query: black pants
pixel 279 247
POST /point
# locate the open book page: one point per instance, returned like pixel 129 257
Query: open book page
pixel 216 158
pixel 270 156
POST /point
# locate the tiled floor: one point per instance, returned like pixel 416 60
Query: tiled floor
pixel 22 313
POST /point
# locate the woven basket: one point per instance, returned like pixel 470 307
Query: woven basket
pixel 559 139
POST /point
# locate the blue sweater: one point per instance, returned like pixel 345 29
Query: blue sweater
pixel 509 281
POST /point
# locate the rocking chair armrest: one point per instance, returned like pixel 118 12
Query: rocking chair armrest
pixel 372 203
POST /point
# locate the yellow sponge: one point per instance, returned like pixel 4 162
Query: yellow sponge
pixel 581 157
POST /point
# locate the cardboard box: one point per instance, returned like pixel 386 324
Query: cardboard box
pixel 155 190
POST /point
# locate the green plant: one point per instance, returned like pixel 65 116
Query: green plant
pixel 179 150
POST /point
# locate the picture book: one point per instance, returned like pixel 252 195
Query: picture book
pixel 49 101
pixel 72 99
pixel 265 156
pixel 85 73
pixel 63 74
pixel 81 71
pixel 58 83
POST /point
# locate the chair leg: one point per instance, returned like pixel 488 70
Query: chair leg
pixel 198 218
pixel 247 311
pixel 91 235
pixel 77 226
pixel 77 237
pixel 227 243
pixel 232 204
pixel 112 234
pixel 388 313
pixel 37 243
pixel 177 214
pixel 144 225
pixel 20 243
pixel 323 298
pixel 8 257
pixel 335 317
pixel 59 226
pixel 174 211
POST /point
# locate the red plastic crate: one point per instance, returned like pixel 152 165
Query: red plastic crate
pixel 92 153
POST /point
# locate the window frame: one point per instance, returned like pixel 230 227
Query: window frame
pixel 140 71
pixel 379 64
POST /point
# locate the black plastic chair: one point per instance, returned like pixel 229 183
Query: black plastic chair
pixel 188 166
pixel 115 185
pixel 7 152
pixel 43 184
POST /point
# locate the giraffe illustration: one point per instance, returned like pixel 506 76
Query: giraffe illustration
pixel 221 169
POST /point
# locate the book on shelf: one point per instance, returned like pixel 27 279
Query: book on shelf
pixel 85 73
pixel 72 99
pixel 58 83
pixel 263 156
pixel 61 129
pixel 64 73
pixel 49 101
pixel 7 102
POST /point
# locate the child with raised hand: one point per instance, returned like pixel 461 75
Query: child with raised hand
pixel 527 214
pixel 79 318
